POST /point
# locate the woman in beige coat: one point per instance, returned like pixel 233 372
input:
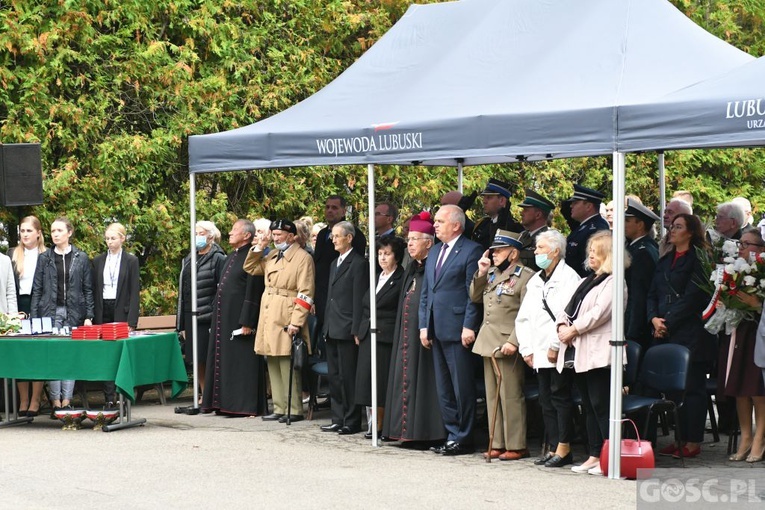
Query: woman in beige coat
pixel 284 308
pixel 585 327
pixel 500 284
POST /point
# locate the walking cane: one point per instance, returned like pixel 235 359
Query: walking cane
pixel 498 377
pixel 289 391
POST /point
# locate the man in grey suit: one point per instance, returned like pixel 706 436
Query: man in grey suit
pixel 348 281
pixel 448 324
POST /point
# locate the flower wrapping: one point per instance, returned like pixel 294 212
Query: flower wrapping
pixel 739 290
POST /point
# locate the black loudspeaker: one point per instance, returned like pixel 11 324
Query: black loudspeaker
pixel 20 174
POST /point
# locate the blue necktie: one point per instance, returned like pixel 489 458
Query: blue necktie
pixel 441 258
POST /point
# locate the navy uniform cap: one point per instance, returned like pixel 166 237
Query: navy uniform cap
pixel 497 187
pixel 505 238
pixel 588 194
pixel 641 212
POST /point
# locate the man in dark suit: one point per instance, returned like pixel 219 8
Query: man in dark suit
pixel 348 281
pixel 535 213
pixel 448 323
pixel 644 251
pixel 585 209
pixel 324 254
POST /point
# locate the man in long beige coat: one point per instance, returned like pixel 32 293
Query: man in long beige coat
pixel 289 276
pixel 500 284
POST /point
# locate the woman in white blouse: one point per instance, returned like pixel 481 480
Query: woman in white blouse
pixel 116 289
pixel 24 258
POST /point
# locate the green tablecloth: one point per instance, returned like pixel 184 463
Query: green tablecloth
pixel 135 361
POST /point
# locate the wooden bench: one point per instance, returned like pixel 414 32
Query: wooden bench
pixel 159 323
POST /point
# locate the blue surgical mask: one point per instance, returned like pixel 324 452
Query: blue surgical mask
pixel 282 246
pixel 542 261
pixel 201 242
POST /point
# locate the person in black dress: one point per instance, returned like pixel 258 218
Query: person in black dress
pixel 390 252
pixel 412 412
pixel 236 385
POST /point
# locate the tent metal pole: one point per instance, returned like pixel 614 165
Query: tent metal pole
pixel 459 176
pixel 193 252
pixel 662 192
pixel 372 296
pixel 617 319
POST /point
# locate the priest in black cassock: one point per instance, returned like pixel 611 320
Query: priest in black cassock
pixel 236 382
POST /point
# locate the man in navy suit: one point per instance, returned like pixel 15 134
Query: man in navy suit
pixel 448 323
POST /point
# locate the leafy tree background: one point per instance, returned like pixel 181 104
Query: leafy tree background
pixel 112 90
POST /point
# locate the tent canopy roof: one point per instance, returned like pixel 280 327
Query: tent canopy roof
pixel 724 111
pixel 484 81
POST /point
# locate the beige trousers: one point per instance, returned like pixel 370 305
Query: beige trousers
pixel 510 431
pixel 279 376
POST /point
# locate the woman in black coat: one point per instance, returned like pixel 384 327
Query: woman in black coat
pixel 63 290
pixel 116 289
pixel 210 261
pixel 390 253
pixel 675 304
pixel 116 281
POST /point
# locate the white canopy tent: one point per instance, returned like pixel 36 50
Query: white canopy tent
pixel 486 81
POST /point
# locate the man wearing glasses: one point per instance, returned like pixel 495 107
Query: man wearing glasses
pixel 386 215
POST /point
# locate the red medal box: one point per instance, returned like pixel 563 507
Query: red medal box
pixel 86 333
pixel 115 331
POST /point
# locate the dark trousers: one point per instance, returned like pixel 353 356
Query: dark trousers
pixel 693 413
pixel 342 356
pixel 109 388
pixel 557 404
pixel 595 388
pixel 455 384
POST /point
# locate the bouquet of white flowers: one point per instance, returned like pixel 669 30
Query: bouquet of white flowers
pixel 739 290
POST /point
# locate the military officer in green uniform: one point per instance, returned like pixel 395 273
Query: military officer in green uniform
pixel 644 251
pixel 534 217
pixel 500 284
pixel 496 207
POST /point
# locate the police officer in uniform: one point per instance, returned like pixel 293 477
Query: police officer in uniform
pixel 536 212
pixel 496 206
pixel 585 207
pixel 500 284
pixel 644 251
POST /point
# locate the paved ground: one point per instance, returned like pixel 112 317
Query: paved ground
pixel 180 461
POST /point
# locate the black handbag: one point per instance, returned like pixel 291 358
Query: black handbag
pixel 299 352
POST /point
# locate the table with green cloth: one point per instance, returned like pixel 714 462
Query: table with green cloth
pixel 135 361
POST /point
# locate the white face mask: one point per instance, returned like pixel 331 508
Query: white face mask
pixel 542 260
pixel 282 246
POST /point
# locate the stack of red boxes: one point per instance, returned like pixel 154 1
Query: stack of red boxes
pixel 86 333
pixel 115 331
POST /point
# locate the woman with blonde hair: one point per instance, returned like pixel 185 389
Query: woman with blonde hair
pixel 584 331
pixel 24 259
pixel 116 288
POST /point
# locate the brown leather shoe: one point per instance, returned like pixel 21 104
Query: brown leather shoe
pixel 514 455
pixel 494 453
